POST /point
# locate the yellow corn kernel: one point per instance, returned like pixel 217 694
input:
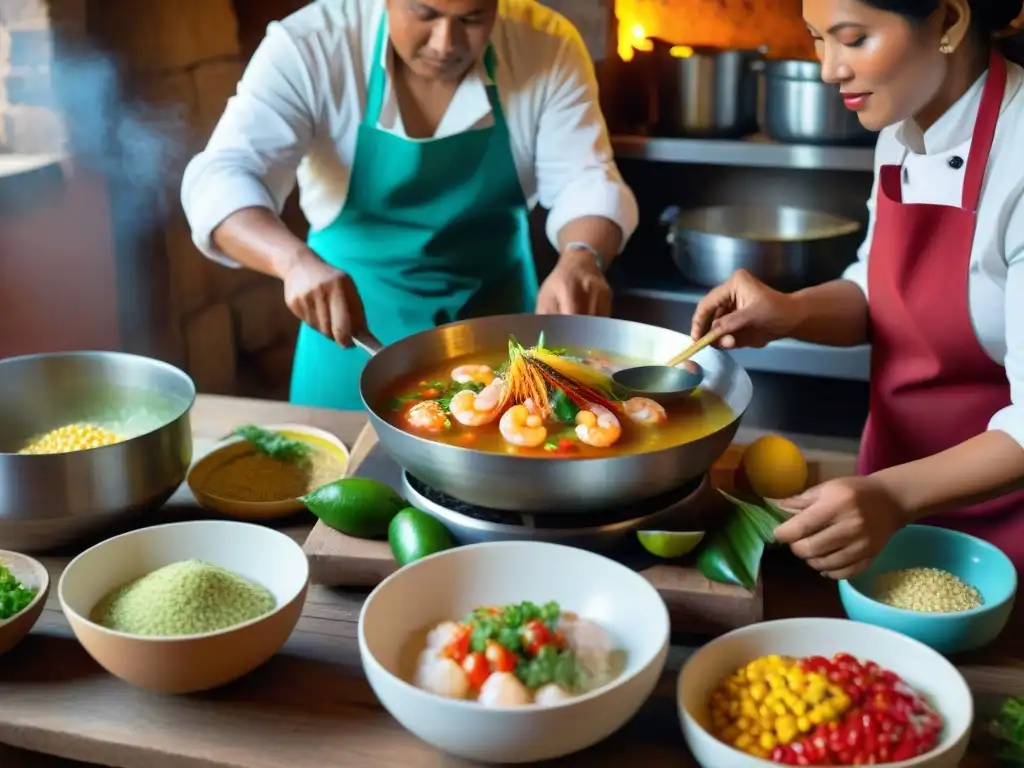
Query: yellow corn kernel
pixel 804 724
pixel 758 691
pixel 785 729
pixel 768 742
pixel 744 741
pixel 748 708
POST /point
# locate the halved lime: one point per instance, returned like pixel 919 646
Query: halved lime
pixel 670 544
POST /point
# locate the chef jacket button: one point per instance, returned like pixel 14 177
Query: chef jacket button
pixel 955 162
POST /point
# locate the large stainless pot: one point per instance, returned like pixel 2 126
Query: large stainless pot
pixel 528 484
pixel 800 108
pixel 48 501
pixel 706 92
pixel 786 248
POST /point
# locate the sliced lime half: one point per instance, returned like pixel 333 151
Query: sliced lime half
pixel 670 544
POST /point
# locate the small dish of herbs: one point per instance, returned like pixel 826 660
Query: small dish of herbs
pixel 24 583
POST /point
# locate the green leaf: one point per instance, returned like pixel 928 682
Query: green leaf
pixel 563 409
pixel 274 444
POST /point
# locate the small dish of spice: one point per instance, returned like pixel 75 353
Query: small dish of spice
pixel 24 585
pixel 260 472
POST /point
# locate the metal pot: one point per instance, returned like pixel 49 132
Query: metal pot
pixel 706 92
pixel 786 248
pixel 50 500
pixel 799 108
pixel 546 485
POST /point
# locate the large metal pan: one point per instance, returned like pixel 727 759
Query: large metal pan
pixel 536 485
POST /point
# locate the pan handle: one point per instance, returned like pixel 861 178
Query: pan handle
pixel 367 342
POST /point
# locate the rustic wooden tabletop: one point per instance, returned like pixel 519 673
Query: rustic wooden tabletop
pixel 310 706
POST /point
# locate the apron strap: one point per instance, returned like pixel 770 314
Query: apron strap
pixel 375 90
pixel 984 132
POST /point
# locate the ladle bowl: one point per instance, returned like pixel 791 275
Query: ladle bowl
pixel 662 383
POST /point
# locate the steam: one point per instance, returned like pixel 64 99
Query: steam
pixel 138 147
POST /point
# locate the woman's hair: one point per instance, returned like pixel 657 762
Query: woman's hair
pixel 988 17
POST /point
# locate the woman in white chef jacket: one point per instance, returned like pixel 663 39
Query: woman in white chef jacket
pixel 938 289
pixel 421 132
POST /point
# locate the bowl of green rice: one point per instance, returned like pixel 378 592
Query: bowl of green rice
pixel 186 607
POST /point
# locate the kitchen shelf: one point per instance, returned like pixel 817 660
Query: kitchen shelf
pixel 754 151
pixel 677 301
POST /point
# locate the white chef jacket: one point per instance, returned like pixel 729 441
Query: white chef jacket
pixel 303 95
pixel 996 279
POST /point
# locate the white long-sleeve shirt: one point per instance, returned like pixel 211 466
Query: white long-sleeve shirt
pixel 303 95
pixel 996 280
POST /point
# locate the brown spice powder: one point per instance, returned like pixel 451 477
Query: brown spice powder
pixel 254 477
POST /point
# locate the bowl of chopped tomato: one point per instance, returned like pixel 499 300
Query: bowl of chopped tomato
pixel 823 692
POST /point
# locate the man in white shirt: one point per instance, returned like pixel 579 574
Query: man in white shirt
pixel 421 132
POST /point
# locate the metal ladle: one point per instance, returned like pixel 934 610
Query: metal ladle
pixel 672 381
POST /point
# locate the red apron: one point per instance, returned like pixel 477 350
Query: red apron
pixel 933 386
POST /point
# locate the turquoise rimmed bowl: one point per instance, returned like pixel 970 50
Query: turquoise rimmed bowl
pixel 972 560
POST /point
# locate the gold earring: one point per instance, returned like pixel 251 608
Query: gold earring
pixel 945 46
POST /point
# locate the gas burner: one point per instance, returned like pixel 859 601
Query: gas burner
pixel 681 509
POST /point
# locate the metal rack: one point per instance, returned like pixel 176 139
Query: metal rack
pixel 752 152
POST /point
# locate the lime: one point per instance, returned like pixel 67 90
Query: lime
pixel 414 534
pixel 357 506
pixel 670 544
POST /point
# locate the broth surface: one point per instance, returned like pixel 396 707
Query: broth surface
pixel 690 419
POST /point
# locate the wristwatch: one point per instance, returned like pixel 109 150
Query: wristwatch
pixel 581 246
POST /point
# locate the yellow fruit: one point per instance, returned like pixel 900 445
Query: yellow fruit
pixel 774 468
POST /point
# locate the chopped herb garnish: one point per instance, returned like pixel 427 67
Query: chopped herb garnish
pixel 14 596
pixel 274 444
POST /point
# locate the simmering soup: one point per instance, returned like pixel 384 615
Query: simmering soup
pixel 545 403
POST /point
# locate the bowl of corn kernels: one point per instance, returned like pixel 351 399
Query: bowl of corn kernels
pixel 949 590
pixel 822 692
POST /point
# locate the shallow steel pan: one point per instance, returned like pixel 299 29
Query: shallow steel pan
pixel 539 485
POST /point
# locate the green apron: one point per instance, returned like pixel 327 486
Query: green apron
pixel 431 232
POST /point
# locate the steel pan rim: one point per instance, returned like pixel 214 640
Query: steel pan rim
pixel 184 411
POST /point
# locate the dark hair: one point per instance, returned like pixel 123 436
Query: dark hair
pixel 987 16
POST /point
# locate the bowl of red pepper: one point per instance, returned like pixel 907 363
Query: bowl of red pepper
pixel 823 692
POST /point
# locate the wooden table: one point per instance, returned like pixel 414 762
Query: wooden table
pixel 310 706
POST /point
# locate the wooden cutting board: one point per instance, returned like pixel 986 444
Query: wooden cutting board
pixel 696 605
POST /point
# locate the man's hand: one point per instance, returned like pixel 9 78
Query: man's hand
pixel 325 298
pixel 576 286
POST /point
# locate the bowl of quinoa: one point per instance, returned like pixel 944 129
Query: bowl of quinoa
pixel 947 589
pixel 188 606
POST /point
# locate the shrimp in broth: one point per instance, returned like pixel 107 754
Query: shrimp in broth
pixel 545 403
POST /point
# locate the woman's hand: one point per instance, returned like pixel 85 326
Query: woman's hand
pixel 325 298
pixel 576 286
pixel 839 527
pixel 749 312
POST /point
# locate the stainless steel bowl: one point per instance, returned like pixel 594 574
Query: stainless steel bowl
pixel 786 248
pixel 47 501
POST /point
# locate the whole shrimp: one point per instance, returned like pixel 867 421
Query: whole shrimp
pixel 482 374
pixel 597 426
pixel 428 416
pixel 645 411
pixel 476 409
pixel 522 427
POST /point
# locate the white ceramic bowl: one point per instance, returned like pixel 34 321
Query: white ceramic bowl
pixel 922 668
pixel 187 663
pixel 448 585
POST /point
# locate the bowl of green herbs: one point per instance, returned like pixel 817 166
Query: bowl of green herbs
pixel 24 585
